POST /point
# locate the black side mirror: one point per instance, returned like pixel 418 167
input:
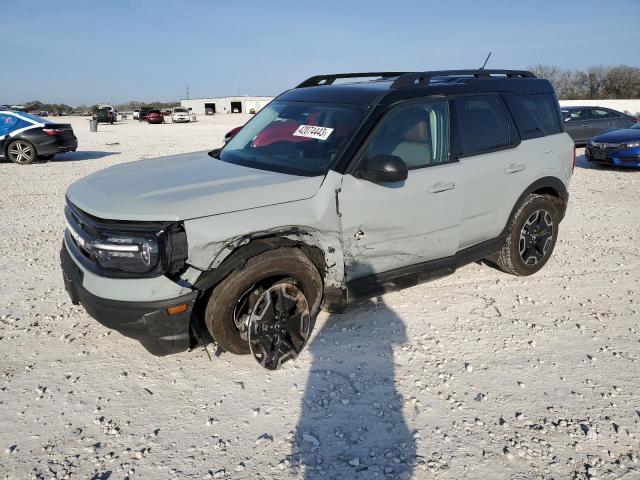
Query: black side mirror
pixel 383 168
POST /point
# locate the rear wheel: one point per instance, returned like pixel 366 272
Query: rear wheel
pixel 21 152
pixel 531 237
pixel 276 288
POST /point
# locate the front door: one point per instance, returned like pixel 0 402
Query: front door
pixel 388 226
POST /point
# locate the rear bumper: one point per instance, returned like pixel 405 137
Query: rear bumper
pixel 53 145
pixel 148 322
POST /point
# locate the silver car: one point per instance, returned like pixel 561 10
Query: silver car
pixel 330 194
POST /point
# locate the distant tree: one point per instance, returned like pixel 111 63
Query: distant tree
pixel 596 82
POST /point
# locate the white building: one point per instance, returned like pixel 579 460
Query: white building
pixel 243 104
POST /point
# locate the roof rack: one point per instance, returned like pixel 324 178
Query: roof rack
pixel 411 79
pixel 423 78
pixel 329 79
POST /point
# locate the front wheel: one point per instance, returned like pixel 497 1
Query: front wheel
pixel 21 152
pixel 283 273
pixel 531 237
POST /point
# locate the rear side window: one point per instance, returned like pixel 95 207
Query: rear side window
pixel 598 114
pixel 483 124
pixel 542 107
pixel 536 115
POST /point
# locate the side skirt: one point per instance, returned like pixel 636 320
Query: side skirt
pixel 361 289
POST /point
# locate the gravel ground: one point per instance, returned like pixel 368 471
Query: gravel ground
pixel 476 375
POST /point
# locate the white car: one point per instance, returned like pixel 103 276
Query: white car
pixel 180 115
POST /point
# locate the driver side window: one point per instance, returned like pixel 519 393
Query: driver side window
pixel 418 133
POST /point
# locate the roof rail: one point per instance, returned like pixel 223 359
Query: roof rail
pixel 329 79
pixel 423 78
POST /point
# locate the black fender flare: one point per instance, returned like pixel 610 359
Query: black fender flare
pixel 544 183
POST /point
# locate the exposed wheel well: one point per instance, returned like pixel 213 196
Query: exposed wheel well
pixel 558 199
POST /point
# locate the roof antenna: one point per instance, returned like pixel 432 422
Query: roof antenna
pixel 485 62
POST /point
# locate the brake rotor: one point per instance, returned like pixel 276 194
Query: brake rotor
pixel 279 325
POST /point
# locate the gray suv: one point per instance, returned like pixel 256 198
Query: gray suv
pixel 332 193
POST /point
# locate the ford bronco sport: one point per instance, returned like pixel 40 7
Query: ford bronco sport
pixel 333 192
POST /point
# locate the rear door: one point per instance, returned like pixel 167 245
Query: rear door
pixel 390 226
pixel 486 138
pixel 601 121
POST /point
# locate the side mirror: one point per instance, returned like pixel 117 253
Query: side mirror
pixel 383 168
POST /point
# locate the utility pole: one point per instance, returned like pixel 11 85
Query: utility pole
pixel 187 92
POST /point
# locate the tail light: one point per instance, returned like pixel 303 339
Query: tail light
pixel 53 131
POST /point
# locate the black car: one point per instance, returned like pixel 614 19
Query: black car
pixel 104 115
pixel 25 137
pixel 583 123
pixel 143 114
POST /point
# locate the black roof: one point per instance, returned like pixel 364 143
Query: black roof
pixel 387 87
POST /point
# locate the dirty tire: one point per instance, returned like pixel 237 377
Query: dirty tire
pixel 277 264
pixel 510 258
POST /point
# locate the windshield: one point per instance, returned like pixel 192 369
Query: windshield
pixel 179 110
pixel 294 137
pixel 636 125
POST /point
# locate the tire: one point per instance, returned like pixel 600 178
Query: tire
pixel 21 152
pixel 527 250
pixel 265 269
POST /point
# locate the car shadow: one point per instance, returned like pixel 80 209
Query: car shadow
pixel 81 155
pixel 351 423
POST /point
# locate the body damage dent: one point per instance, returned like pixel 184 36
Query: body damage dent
pixel 328 242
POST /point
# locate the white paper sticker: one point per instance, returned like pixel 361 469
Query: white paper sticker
pixel 311 131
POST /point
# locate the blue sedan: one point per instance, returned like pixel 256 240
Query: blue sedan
pixel 620 148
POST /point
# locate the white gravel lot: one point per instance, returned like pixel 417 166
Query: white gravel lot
pixel 476 375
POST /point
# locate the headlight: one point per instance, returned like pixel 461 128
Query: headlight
pixel 633 145
pixel 133 254
pixel 128 249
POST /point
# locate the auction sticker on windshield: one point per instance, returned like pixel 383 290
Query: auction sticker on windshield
pixel 311 131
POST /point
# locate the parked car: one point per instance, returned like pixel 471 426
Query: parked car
pixel 155 116
pixel 617 147
pixel 136 114
pixel 25 137
pixel 180 115
pixel 104 115
pixel 231 133
pixel 583 123
pixel 142 114
pixel 209 111
pixel 373 189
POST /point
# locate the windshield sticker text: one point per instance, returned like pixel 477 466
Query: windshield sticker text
pixel 311 131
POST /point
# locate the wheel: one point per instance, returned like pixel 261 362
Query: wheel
pixel 21 152
pixel 531 237
pixel 45 157
pixel 232 302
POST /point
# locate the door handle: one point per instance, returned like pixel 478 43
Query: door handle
pixel 585 126
pixel 515 167
pixel 441 187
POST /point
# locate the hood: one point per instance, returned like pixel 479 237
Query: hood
pixel 181 187
pixel 619 136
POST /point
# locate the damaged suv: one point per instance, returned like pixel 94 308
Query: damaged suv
pixel 331 193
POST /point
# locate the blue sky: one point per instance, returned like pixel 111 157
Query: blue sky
pixel 80 51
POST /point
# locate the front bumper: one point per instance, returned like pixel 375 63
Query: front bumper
pixel 619 158
pixel 148 322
